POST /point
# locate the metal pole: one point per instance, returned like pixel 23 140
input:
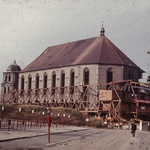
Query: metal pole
pixel 49 134
pixel 49 111
pixel 49 124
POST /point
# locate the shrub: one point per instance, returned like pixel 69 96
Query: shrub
pixel 72 116
pixel 94 122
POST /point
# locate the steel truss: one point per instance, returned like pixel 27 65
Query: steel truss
pixel 106 100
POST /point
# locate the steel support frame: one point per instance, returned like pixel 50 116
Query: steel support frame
pixel 84 98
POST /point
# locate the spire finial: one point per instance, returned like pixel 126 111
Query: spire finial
pixel 15 62
pixel 102 32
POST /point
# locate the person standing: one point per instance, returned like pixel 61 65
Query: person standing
pixel 133 129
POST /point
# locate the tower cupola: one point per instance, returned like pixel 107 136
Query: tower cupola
pixel 13 67
pixel 102 32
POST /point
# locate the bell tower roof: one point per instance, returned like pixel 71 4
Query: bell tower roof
pixel 13 67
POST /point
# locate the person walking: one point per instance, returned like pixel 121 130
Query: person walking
pixel 133 129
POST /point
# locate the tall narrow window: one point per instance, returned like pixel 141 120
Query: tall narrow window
pixel 16 80
pixel 85 81
pixel 37 84
pixel 9 78
pixel 72 78
pixel 53 82
pixel 62 81
pixel 44 83
pixel 29 82
pixel 4 90
pixel 22 83
pixel 45 80
pixel 86 76
pixel 5 78
pixel 37 81
pixel 109 76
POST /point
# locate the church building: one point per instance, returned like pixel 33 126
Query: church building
pixel 91 61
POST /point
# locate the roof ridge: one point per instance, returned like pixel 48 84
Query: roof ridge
pixel 101 47
pixel 70 42
pixel 128 60
pixel 83 54
pixel 110 43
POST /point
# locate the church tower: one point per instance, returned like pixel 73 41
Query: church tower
pixel 10 79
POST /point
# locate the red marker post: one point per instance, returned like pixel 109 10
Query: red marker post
pixel 48 119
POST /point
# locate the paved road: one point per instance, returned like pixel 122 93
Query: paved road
pixel 41 141
pixel 107 140
pixel 91 139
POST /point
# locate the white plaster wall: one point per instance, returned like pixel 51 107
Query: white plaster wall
pixel 78 76
pixel 118 73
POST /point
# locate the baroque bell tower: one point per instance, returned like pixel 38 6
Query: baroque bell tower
pixel 10 80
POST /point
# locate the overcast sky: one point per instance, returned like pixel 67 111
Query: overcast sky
pixel 28 27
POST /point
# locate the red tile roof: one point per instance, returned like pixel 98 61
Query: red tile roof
pixel 97 50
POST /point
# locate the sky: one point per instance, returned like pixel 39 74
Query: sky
pixel 28 27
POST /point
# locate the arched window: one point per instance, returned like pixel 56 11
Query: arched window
pixel 9 78
pixel 22 84
pixel 110 75
pixel 5 78
pixel 53 79
pixel 37 79
pixel 86 76
pixel 44 83
pixel 16 80
pixel 4 90
pixel 29 82
pixel 62 84
pixel 72 79
pixel 62 81
pixel 53 82
pixel 85 81
pixel 45 80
